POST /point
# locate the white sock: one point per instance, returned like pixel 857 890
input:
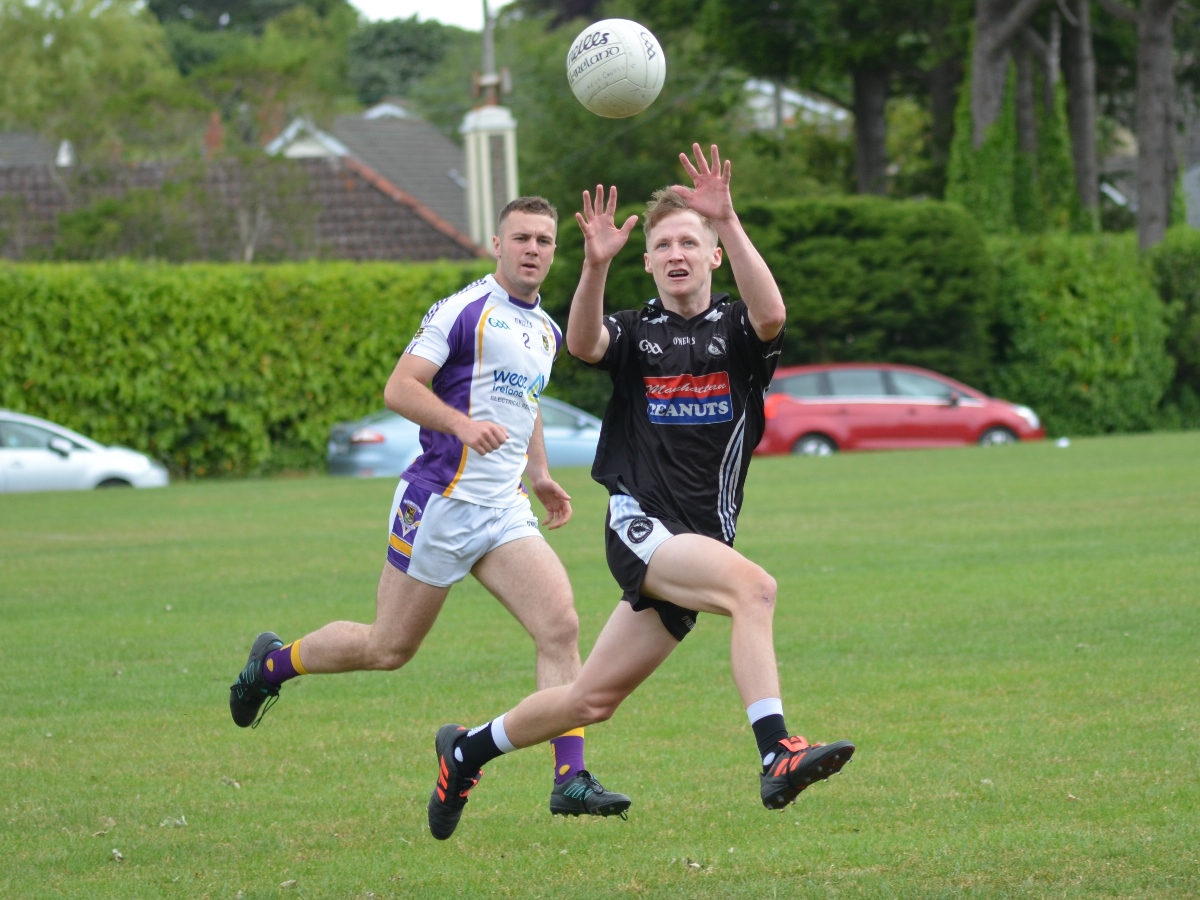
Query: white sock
pixel 772 706
pixel 503 744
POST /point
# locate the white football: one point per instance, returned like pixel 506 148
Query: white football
pixel 616 68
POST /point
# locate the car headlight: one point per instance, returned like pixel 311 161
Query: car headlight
pixel 1028 415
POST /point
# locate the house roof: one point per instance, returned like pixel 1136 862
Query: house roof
pixel 24 149
pixel 414 156
pixel 406 151
pixel 344 209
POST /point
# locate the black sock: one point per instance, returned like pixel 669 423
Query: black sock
pixel 477 747
pixel 769 731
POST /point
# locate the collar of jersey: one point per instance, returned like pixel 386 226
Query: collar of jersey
pixel 496 289
pixel 654 304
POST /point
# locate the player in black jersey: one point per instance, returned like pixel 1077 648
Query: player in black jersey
pixel 689 372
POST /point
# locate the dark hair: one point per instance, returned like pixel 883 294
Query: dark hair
pixel 539 206
pixel 663 203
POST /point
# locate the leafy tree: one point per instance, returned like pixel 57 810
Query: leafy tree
pixel 248 16
pixel 559 12
pixel 386 58
pixel 299 65
pixel 980 179
pixel 90 71
pixel 194 48
pixel 1157 164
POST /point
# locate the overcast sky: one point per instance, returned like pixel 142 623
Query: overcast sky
pixel 463 13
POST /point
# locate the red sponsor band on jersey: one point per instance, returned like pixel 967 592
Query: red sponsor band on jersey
pixel 686 386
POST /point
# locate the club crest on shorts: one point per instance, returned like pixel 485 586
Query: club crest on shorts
pixel 409 517
pixel 639 529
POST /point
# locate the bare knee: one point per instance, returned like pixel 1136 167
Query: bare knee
pixel 558 631
pixel 391 656
pixel 755 592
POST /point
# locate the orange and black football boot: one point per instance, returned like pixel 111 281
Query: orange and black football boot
pixel 450 793
pixel 798 765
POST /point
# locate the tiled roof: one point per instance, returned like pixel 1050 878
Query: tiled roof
pixel 344 212
pixel 19 149
pixel 415 157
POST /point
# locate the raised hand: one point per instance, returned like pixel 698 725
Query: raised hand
pixel 710 197
pixel 602 239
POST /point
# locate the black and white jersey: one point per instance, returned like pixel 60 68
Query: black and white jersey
pixel 686 411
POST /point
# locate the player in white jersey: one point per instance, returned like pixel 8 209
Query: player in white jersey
pixel 471 378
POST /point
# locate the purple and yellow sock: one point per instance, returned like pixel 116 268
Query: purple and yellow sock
pixel 568 755
pixel 283 664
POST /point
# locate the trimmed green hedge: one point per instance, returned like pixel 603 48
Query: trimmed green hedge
pixel 239 370
pixel 1079 333
pixel 1176 266
pixel 213 369
pixel 863 278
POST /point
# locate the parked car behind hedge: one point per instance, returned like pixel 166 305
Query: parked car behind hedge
pixel 385 443
pixel 817 410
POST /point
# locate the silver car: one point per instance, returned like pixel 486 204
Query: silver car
pixel 385 443
pixel 38 455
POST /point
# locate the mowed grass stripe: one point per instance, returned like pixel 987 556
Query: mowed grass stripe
pixel 1010 636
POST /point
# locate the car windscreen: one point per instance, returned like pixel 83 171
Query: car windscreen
pixel 19 436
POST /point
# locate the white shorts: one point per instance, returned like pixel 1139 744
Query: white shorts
pixel 438 540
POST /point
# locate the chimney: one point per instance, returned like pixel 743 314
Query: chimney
pixel 490 135
pixel 214 136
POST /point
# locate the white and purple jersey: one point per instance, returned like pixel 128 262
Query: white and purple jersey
pixel 495 353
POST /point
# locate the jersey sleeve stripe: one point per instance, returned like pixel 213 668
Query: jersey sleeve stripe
pixel 487 311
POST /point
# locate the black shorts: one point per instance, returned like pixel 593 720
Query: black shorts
pixel 630 537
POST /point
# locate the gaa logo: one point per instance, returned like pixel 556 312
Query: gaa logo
pixel 650 347
pixel 639 529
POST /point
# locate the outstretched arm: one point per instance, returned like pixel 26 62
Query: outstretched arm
pixel 711 199
pixel 587 338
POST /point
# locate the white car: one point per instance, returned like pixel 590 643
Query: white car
pixel 37 455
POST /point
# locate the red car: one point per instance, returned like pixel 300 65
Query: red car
pixel 816 410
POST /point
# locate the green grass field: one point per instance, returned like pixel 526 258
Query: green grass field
pixel 1011 636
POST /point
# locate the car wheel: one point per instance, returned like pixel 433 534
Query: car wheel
pixel 993 437
pixel 813 445
pixel 114 483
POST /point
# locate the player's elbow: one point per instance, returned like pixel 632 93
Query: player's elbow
pixel 391 398
pixel 769 322
pixel 584 349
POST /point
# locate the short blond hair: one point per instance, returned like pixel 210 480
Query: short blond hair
pixel 666 202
